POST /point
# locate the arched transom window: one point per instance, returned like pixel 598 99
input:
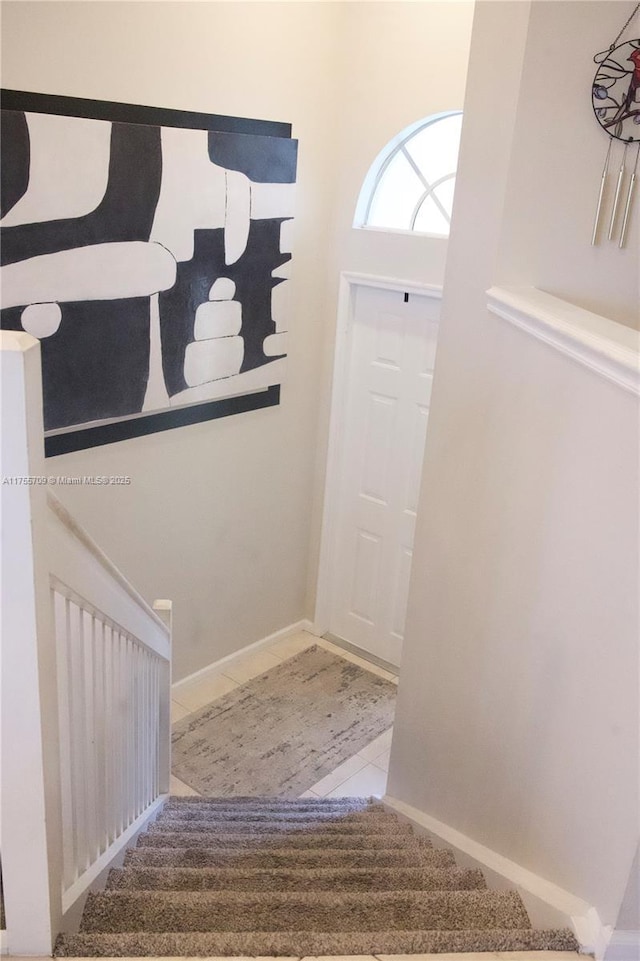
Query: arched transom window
pixel 410 185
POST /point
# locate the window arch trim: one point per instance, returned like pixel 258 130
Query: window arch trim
pixel 382 162
pixel 430 192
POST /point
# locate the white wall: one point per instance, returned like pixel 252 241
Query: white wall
pixel 216 516
pixel 518 702
pixel 400 62
pixel 220 516
pixel 556 166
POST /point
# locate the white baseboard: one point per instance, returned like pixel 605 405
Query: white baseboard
pixel 548 904
pixel 216 666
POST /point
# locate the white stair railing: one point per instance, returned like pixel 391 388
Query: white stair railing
pixel 85 686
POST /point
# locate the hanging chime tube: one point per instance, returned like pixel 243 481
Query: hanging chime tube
pixel 627 206
pixel 617 193
pixel 603 180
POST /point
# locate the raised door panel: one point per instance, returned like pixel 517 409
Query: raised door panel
pixel 390 370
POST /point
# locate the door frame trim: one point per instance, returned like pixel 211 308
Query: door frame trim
pixel 349 280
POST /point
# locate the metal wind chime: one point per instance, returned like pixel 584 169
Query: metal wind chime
pixel 616 104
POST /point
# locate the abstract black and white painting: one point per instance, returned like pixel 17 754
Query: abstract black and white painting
pixel 148 250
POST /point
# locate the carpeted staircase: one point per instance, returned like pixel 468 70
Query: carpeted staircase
pixel 263 876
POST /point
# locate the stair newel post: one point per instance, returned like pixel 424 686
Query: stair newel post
pixel 163 609
pixel 30 818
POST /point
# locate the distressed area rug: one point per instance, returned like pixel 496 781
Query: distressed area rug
pixel 282 731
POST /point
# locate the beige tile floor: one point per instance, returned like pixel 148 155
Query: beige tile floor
pixel 363 774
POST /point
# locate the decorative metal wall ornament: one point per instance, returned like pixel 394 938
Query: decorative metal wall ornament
pixel 616 105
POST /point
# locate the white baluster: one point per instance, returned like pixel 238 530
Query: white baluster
pixel 146 663
pixel 107 688
pixel 131 733
pixel 89 739
pixel 121 743
pixel 76 735
pixel 101 731
pixel 157 667
pixel 163 609
pixel 61 618
pixel 100 738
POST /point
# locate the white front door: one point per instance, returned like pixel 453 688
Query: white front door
pixel 382 433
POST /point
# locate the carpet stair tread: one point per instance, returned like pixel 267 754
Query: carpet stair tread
pixel 285 857
pixel 173 911
pixel 186 805
pixel 311 944
pixel 261 876
pixel 302 839
pixel 264 801
pixel 253 816
pixel 295 879
pixel 266 826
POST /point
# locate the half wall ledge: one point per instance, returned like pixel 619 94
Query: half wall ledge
pixel 604 346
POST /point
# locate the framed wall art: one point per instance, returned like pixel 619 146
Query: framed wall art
pixel 148 250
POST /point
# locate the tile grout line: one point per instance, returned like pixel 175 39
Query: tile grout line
pixel 332 648
pixel 327 645
pixel 192 710
pixel 349 776
pixel 356 773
